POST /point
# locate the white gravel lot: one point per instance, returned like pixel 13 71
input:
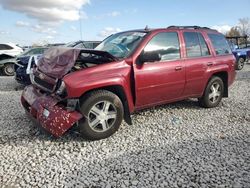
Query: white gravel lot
pixel 175 145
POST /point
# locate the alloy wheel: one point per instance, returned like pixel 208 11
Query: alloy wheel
pixel 241 63
pixel 102 116
pixel 215 92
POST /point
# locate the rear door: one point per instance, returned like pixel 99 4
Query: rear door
pixel 198 59
pixel 164 80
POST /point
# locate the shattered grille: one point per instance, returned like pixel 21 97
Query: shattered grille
pixel 43 84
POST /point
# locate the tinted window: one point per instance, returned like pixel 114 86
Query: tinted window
pixel 220 44
pixel 95 44
pixel 5 47
pixel 34 51
pixel 195 45
pixel 204 47
pixel 166 44
pixel 31 52
pixel 88 45
pixel 80 45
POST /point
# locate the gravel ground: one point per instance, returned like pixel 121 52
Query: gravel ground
pixel 175 145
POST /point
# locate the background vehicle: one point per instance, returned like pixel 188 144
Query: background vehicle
pixel 24 62
pixel 8 52
pixel 10 49
pixel 128 71
pixel 239 53
pixel 248 55
pixel 28 59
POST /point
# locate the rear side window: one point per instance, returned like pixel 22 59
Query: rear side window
pixel 204 47
pixel 195 45
pixel 5 47
pixel 220 44
pixel 166 44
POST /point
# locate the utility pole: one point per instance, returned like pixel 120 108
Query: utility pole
pixel 80 22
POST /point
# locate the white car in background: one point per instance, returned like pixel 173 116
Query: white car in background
pixel 10 49
pixel 8 53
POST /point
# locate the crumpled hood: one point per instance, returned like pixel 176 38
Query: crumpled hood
pixel 57 61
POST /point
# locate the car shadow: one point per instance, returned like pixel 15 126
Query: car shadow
pixel 187 104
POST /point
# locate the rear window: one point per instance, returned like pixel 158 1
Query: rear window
pixel 220 44
pixel 195 44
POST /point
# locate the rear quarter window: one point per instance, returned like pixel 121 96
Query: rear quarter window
pixel 220 44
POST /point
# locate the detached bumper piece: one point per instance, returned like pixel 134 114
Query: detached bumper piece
pixel 47 112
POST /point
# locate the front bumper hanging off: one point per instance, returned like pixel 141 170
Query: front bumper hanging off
pixel 47 112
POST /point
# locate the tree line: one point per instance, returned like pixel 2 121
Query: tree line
pixel 242 29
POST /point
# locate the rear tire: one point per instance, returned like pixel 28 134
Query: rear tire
pixel 213 93
pixel 8 69
pixel 103 112
pixel 240 63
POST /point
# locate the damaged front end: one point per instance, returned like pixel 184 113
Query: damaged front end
pixel 46 99
pixel 48 111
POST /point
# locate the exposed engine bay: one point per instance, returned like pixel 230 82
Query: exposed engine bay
pixel 90 59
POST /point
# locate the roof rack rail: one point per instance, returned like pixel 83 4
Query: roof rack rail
pixel 187 27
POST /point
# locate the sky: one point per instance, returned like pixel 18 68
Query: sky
pixel 28 22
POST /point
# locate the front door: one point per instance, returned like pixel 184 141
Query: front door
pixel 160 81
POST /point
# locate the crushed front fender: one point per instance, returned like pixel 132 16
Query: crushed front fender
pixel 48 113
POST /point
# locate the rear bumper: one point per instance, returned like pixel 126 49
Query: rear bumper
pixel 47 112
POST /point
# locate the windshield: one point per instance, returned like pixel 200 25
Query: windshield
pixel 71 44
pixel 34 51
pixel 121 45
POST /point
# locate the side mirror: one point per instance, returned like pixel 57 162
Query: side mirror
pixel 148 57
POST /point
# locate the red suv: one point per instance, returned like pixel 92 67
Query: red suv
pixel 96 89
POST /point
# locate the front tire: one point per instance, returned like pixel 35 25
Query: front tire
pixel 213 93
pixel 240 63
pixel 8 69
pixel 103 112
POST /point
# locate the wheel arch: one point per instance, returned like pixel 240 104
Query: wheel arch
pixel 242 56
pixel 119 91
pixel 224 76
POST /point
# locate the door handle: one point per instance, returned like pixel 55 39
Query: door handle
pixel 178 68
pixel 210 63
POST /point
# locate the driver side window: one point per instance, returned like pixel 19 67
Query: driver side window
pixel 166 44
